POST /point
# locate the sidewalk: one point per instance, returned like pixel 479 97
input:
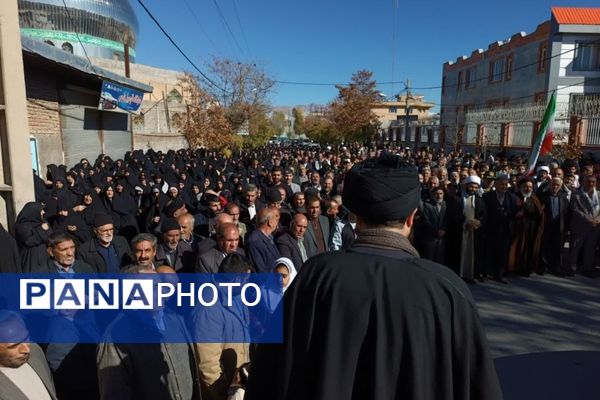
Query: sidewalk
pixel 544 332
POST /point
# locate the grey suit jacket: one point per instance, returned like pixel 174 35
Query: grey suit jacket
pixel 210 261
pixel 581 213
pixel 37 361
pixel 310 241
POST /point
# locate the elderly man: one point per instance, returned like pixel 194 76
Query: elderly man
pixel 377 307
pixel 228 238
pixel 260 245
pixel 501 207
pixel 291 244
pixel 107 252
pixel 556 224
pixel 161 369
pixel 62 250
pixel 585 226
pixel 24 372
pixel 172 251
pixel 467 216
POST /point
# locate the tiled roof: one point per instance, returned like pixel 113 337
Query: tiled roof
pixel 576 16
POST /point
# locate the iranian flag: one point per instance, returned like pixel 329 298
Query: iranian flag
pixel 543 141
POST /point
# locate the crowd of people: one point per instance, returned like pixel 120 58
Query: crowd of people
pixel 271 210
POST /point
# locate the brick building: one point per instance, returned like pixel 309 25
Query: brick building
pixel 63 93
pixel 496 97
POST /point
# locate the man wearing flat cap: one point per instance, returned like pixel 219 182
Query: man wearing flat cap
pixel 107 252
pixel 376 321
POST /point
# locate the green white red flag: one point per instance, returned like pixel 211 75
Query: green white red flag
pixel 543 141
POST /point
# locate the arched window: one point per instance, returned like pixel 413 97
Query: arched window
pixel 50 42
pixel 68 47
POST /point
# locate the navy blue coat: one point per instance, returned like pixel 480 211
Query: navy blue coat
pixel 262 251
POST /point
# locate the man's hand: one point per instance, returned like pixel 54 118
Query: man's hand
pixel 45 226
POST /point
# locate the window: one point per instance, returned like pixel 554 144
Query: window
pixel 470 78
pixel 50 42
pixel 542 56
pixel 509 68
pixel 496 70
pixel 587 57
pixel 459 83
pixel 393 110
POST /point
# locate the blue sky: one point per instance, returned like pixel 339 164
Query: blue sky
pixel 325 41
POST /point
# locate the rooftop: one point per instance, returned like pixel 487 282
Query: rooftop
pixel 576 15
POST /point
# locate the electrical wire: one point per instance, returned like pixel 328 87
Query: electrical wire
pixel 206 78
pixel 237 15
pixel 227 27
pixel 394 82
pixel 77 34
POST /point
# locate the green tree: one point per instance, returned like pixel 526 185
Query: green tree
pixel 278 122
pixel 298 121
pixel 318 128
pixel 351 113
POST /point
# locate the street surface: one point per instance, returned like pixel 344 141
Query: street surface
pixel 544 333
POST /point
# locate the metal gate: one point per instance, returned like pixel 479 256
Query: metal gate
pixel 80 138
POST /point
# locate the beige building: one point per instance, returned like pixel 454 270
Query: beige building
pixel 153 127
pixel 16 179
pixel 392 115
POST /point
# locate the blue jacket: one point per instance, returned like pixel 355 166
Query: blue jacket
pixel 262 251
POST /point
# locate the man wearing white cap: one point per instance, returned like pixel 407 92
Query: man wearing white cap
pixel 543 176
pixel 467 215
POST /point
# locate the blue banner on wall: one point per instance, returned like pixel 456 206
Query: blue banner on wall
pixel 114 97
pixel 141 308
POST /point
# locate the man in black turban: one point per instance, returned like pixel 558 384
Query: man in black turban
pixel 376 321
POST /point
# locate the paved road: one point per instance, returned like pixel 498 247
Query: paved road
pixel 544 332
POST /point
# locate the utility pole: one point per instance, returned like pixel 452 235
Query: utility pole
pixel 406 113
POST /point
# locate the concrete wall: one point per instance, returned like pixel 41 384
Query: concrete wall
pixel 16 182
pixel 153 131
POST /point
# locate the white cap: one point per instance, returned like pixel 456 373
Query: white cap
pixel 472 179
pixel 544 168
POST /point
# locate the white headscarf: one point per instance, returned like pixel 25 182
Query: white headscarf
pixel 290 267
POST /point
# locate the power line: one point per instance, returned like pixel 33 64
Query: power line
pixel 394 82
pixel 520 97
pixel 77 34
pixel 195 16
pixel 179 48
pixel 227 27
pixel 237 15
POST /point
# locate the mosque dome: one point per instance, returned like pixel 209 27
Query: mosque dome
pixel 103 26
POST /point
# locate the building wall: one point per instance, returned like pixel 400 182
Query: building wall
pixel 153 130
pixel 16 183
pixel 525 82
pixel 563 75
pixel 44 116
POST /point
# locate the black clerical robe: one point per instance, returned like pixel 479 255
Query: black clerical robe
pixel 376 324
